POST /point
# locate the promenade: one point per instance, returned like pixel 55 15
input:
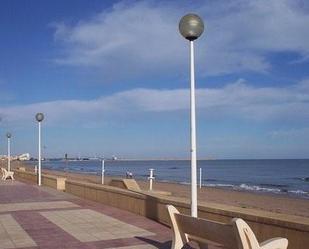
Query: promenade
pixel 41 217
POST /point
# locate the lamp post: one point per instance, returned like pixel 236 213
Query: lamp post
pixel 151 178
pixel 191 26
pixel 9 135
pixel 39 117
pixel 103 171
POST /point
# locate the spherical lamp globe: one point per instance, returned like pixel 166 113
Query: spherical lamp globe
pixel 39 117
pixel 191 26
pixel 8 135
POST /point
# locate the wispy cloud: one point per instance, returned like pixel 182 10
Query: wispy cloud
pixel 239 99
pixel 300 134
pixel 142 37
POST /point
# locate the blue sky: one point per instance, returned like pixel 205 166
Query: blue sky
pixel 112 78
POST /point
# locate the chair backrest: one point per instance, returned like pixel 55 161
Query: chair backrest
pixel 198 229
pixel 245 235
pixel 179 237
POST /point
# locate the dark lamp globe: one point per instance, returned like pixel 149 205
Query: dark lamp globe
pixel 39 117
pixel 191 26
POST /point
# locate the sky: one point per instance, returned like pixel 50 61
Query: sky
pixel 112 78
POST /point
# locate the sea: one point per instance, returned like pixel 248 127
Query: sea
pixel 277 176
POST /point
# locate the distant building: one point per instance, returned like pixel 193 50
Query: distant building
pixel 24 157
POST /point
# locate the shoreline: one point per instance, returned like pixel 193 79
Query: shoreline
pixel 296 188
pixel 283 204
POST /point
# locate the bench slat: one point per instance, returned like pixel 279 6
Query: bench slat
pixel 207 230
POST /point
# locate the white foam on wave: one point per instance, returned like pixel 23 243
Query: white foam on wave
pixel 258 188
pixel 298 192
pixel 185 183
pixel 219 185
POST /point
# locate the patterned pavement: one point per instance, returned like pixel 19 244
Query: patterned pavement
pixel 12 234
pixel 34 217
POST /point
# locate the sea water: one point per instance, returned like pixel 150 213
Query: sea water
pixel 285 177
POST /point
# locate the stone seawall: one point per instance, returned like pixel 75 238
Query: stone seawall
pixel 265 224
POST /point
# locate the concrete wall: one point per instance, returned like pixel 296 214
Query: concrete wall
pixel 112 196
pixel 117 183
pixel 47 180
pixel 54 182
pixel 29 176
pixel 266 225
pixel 129 184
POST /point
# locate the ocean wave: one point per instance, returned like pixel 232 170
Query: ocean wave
pixel 298 192
pixel 258 188
pixel 185 183
pixel 272 190
pixel 219 185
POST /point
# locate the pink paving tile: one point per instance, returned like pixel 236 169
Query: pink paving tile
pixel 21 193
pixel 43 232
pixel 47 235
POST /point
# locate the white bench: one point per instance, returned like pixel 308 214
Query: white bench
pixel 247 240
pixel 234 235
pixel 7 174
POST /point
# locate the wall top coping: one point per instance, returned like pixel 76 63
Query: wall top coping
pixel 106 188
pixel 43 175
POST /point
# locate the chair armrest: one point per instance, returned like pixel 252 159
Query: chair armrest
pixel 275 243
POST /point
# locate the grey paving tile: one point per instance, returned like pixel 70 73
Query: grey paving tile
pixel 12 235
pixel 88 225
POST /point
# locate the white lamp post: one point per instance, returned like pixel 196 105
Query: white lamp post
pixel 39 117
pixel 191 26
pixel 103 171
pixel 9 135
pixel 151 178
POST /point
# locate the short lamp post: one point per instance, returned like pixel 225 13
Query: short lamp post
pixel 103 171
pixel 151 179
pixel 9 135
pixel 191 27
pixel 39 117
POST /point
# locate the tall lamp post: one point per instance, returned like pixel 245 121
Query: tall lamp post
pixel 39 117
pixel 9 135
pixel 191 27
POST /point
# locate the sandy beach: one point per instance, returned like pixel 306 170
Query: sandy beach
pixel 269 202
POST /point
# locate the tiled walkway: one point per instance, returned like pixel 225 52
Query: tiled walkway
pixel 40 217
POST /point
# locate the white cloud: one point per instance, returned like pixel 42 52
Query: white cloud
pixel 142 38
pixel 239 99
pixel 299 134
